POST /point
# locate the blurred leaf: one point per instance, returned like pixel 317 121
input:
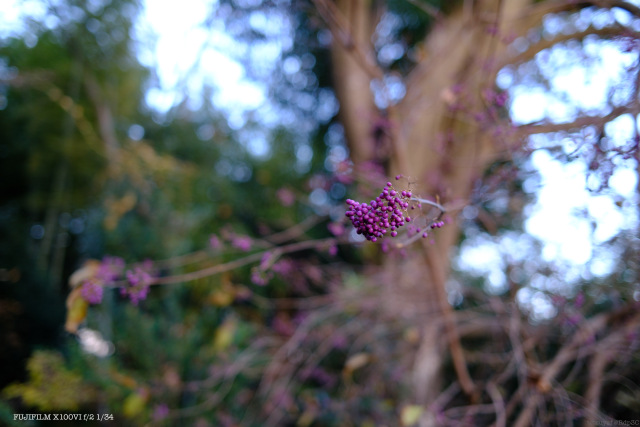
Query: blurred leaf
pixel 224 334
pixel 88 271
pixel 411 414
pixel 355 362
pixel 135 404
pixel 51 387
pixel 77 309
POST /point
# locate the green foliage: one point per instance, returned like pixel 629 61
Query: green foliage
pixel 51 386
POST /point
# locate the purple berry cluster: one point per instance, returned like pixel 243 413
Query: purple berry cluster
pixel 92 291
pixel 138 285
pixel 385 213
pixel 111 268
pixel 437 224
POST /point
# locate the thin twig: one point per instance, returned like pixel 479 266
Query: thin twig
pixel 430 203
pixel 580 122
pixel 498 403
pixel 240 262
pixel 295 230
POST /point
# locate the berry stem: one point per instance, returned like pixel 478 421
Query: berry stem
pixel 430 203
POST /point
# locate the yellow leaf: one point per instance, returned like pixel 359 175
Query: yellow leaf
pixel 224 335
pixel 77 309
pixel 411 414
pixel 134 404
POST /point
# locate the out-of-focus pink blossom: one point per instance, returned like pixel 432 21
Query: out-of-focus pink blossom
pixel 241 242
pixel 111 268
pixel 214 242
pixel 285 196
pixel 336 228
pixel 160 412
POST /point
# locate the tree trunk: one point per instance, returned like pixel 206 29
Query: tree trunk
pixel 440 138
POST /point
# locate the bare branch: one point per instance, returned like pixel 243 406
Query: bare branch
pixel 625 5
pixel 587 332
pixel 498 403
pixel 596 368
pixel 531 16
pixel 580 122
pixel 232 265
pixel 611 31
pixel 295 231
